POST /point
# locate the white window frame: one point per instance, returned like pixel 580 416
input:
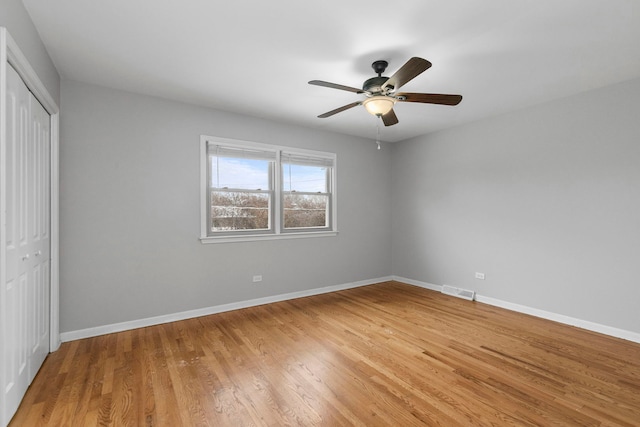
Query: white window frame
pixel 278 231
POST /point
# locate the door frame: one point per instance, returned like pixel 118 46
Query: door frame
pixel 10 53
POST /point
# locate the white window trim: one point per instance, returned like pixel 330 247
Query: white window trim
pixel 278 233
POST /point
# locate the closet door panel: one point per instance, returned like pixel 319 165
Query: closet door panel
pixel 17 250
pixel 39 241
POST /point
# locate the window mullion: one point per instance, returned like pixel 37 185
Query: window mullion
pixel 329 209
pixel 277 193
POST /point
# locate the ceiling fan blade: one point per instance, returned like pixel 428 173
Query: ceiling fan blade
pixel 339 110
pixel 430 98
pixel 390 118
pixel 335 86
pixel 412 68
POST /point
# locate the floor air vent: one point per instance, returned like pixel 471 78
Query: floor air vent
pixel 457 292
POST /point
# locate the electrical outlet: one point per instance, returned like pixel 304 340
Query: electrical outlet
pixel 257 279
pixel 480 276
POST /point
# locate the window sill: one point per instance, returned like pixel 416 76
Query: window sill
pixel 257 238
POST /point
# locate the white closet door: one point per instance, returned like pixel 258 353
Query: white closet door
pixel 38 206
pixel 17 247
pixel 25 320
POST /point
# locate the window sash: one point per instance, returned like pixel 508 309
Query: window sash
pixel 216 152
pixel 240 213
pixel 213 151
pixel 293 228
pixel 328 225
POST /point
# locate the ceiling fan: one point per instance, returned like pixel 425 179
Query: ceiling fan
pixel 380 91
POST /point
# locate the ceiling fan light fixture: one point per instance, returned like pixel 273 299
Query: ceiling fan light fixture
pixel 379 105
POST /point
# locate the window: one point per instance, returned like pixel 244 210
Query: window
pixel 254 191
pixel 306 195
pixel 241 189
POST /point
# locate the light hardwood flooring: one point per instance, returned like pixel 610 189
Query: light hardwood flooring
pixel 382 355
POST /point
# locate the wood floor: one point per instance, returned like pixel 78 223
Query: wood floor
pixel 383 355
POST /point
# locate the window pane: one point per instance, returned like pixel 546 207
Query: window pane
pixel 309 179
pixel 237 210
pixel 249 174
pixel 304 210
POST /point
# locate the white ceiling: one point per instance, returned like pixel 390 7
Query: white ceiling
pixel 255 57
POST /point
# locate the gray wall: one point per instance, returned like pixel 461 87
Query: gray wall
pixel 130 212
pixel 14 17
pixel 544 201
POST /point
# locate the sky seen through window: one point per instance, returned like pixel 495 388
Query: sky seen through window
pixel 252 174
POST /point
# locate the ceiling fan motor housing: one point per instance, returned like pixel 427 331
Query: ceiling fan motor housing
pixel 374 85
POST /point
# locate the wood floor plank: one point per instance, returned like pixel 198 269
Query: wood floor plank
pixel 389 354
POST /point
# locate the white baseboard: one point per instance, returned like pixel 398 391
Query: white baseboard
pixel 425 285
pixel 560 318
pixel 158 320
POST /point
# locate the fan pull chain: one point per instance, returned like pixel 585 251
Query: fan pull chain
pixel 378 134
